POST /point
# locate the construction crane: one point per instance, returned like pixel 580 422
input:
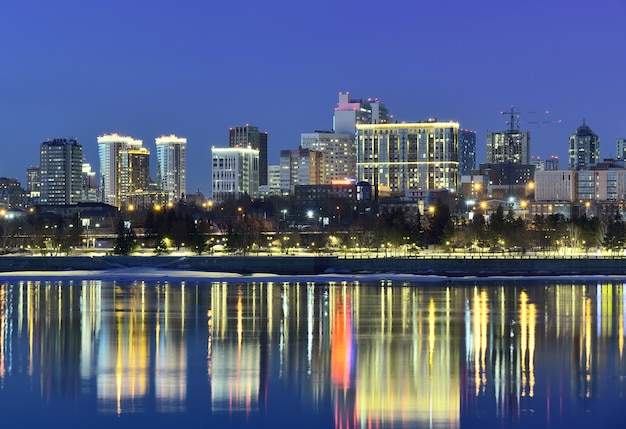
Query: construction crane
pixel 514 119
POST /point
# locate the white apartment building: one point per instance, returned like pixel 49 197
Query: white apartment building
pixel 350 112
pixel 172 166
pixel 124 168
pixel 235 172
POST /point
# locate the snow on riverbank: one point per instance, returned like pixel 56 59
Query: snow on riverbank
pixel 159 274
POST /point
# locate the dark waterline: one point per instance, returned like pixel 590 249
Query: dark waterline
pixel 104 353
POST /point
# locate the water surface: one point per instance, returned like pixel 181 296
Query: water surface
pixel 377 354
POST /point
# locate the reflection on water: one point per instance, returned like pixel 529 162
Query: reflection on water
pixel 344 355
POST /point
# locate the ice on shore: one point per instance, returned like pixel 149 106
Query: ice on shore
pixel 143 273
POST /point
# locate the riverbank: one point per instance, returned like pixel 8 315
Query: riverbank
pixel 311 265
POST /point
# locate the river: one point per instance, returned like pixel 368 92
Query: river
pixel 319 353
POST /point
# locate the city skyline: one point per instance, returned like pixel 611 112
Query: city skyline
pixel 85 70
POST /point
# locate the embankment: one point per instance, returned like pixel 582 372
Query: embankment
pixel 294 265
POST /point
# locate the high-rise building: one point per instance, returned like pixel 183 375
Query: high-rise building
pixel 620 148
pixel 12 195
pixel 338 153
pixel 549 164
pixel 249 136
pixel 398 157
pixel 584 148
pixel 349 113
pixel 60 169
pixel 299 167
pixel 90 185
pixel 273 182
pixel 467 151
pixel 33 185
pixel 124 168
pixel 235 172
pixel 171 166
pixel 508 146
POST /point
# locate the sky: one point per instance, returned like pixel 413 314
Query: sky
pixel 195 68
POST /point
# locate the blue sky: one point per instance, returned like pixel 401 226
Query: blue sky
pixel 195 68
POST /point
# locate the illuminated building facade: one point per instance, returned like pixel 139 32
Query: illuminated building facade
pixel 61 164
pixel 349 113
pixel 171 166
pixel 249 136
pixel 90 185
pixel 300 167
pixel 338 153
pixel 124 168
pixel 398 157
pixel 508 146
pixel 235 172
pixel 584 148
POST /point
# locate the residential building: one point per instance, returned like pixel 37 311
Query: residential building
pixel 584 148
pixel 508 146
pixel 620 148
pixel 349 113
pixel 235 172
pixel 397 157
pixel 12 195
pixel 33 185
pixel 124 168
pixel 338 153
pixel 249 136
pixel 90 185
pixel 467 151
pixel 299 167
pixel 171 166
pixel 60 169
pixel 273 182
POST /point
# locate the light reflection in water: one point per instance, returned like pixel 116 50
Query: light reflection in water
pixel 382 355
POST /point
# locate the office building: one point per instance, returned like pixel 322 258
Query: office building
pixel 249 136
pixel 171 166
pixel 394 158
pixel 467 151
pixel 299 167
pixel 235 173
pixel 60 169
pixel 555 185
pixel 584 148
pixel 349 113
pixel 124 168
pixel 338 153
pixel 507 181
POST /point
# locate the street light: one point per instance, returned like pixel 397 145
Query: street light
pixel 523 205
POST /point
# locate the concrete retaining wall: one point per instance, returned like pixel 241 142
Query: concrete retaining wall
pixel 330 264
